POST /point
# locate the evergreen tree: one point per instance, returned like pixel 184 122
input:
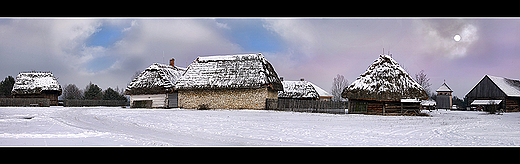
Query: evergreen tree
pixel 110 94
pixel 6 86
pixel 93 92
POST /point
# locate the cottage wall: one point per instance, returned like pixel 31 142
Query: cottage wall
pixel 226 98
pixel 158 100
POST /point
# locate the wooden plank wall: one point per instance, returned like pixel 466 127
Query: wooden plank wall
pixel 312 106
pixel 80 103
pixel 43 102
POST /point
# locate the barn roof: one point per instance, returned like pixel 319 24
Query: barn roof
pixel 230 72
pixel 385 79
pixel 511 87
pixel 444 88
pixel 157 78
pixel 34 82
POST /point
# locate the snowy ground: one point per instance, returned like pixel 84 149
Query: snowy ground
pixel 115 126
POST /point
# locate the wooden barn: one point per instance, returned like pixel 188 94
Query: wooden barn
pixel 303 90
pixel 444 99
pixel 385 88
pixel 36 84
pixel 242 81
pixel 155 87
pixel 502 91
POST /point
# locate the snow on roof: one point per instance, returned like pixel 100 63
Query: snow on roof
pixel 444 88
pixel 157 78
pixel 321 92
pixel 35 82
pixel 511 87
pixel 298 89
pixel 485 102
pixel 385 79
pixel 410 100
pixel 230 71
pixel 428 103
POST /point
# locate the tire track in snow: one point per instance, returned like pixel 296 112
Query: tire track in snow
pixel 93 119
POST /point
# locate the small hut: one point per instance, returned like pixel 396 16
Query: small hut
pixel 155 86
pixel 303 90
pixel 242 81
pixel 385 88
pixel 493 90
pixel 36 84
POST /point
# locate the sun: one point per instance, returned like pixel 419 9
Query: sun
pixel 456 37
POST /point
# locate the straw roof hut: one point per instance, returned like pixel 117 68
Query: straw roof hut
pixel 37 84
pixel 385 87
pixel 155 86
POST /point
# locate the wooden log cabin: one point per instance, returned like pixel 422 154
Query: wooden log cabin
pixel 504 91
pixel 385 88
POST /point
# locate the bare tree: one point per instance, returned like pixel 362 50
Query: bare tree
pixel 338 85
pixel 423 80
pixel 71 91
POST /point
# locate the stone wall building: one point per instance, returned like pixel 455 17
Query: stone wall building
pixel 242 81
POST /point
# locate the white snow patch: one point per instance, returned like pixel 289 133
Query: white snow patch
pixel 115 126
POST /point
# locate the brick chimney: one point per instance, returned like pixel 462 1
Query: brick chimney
pixel 172 62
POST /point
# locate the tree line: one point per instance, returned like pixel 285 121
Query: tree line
pixel 71 91
pixel 92 92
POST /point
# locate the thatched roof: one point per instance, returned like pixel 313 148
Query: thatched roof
pixel 230 72
pixel 35 82
pixel 298 90
pixel 158 78
pixel 384 80
pixel 302 90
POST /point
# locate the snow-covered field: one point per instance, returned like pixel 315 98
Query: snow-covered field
pixel 115 126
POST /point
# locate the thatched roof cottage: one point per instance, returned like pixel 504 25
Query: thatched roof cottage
pixel 155 86
pixel 242 81
pixel 384 88
pixel 303 90
pixel 36 84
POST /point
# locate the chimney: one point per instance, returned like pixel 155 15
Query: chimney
pixel 302 79
pixel 172 62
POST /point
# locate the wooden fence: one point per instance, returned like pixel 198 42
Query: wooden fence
pixel 24 102
pixel 79 103
pixel 311 106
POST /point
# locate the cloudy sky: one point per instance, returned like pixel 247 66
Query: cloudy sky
pixel 108 51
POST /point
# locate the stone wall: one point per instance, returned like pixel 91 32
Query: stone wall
pixel 226 98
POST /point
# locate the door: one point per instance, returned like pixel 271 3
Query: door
pixel 172 100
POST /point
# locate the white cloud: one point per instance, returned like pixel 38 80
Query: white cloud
pixel 60 46
pixel 437 36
